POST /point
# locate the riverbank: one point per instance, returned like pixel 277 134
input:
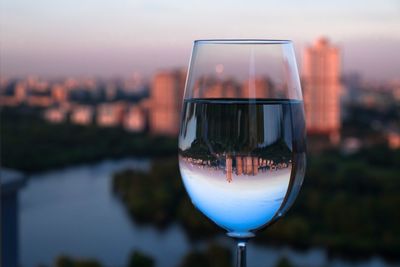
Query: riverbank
pixel 76 205
pixel 348 204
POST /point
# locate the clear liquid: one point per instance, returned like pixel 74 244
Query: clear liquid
pixel 242 161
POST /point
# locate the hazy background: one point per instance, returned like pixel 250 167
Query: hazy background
pixel 114 38
pixel 101 194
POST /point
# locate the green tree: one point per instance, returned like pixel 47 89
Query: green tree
pixel 65 261
pixel 284 262
pixel 213 256
pixel 139 259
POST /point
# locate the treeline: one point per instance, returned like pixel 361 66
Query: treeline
pixel 348 204
pixel 29 143
pixel 136 259
pixel 212 256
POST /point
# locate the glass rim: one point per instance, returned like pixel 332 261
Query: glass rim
pixel 242 41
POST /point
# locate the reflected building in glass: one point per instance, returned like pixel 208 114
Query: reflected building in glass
pixel 238 165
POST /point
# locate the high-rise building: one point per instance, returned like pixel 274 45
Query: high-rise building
pixel 166 94
pixel 321 89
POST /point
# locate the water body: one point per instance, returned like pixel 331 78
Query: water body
pixel 72 211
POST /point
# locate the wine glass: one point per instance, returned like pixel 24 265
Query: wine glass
pixel 242 134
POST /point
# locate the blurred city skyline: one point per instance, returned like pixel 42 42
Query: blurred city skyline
pixel 107 39
pixel 91 99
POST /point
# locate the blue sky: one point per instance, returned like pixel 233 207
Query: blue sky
pixel 107 38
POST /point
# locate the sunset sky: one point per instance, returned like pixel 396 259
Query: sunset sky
pixel 117 38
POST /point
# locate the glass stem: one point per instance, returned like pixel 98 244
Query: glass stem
pixel 241 253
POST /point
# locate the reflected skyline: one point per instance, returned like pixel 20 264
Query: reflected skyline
pixel 238 165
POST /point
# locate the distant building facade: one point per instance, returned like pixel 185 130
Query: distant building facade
pixel 322 89
pixel 55 115
pixel 166 94
pixel 257 88
pixel 59 93
pixel 110 114
pixel 82 115
pixel 393 139
pixel 135 119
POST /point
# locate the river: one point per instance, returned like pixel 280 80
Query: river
pixel 72 211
